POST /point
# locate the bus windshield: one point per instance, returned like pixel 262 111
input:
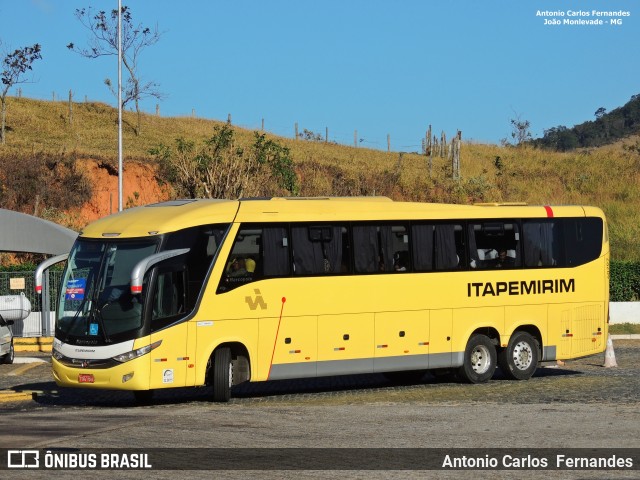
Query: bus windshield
pixel 95 300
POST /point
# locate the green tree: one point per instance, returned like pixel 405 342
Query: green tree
pixel 600 112
pixel 14 67
pixel 278 158
pixel 220 168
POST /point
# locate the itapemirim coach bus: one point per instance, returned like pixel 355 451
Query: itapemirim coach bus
pixel 220 292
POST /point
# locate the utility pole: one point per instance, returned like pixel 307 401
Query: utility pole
pixel 119 105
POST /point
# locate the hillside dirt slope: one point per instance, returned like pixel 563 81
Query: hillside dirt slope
pixel 140 187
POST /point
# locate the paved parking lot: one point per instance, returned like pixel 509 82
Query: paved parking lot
pixel 579 381
pixel 579 405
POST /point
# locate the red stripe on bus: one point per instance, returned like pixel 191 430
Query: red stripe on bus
pixel 549 211
pixel 275 342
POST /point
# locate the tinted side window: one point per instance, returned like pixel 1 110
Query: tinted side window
pixel 169 297
pixel 256 253
pixel 320 249
pixel 583 237
pixel 543 243
pixel 494 244
pixel 203 243
pixel 437 246
pixel 380 248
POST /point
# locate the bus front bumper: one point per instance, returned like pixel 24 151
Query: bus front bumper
pixel 131 375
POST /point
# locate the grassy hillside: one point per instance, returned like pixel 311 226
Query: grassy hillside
pixel 608 177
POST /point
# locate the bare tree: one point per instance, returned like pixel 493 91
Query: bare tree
pixel 104 42
pixel 520 132
pixel 14 67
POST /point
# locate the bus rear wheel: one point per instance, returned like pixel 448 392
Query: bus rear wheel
pixel 222 375
pixel 520 359
pixel 479 360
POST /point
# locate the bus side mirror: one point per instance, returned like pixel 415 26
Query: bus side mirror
pixel 44 265
pixel 143 266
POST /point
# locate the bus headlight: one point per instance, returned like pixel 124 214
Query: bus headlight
pixel 133 354
pixel 56 354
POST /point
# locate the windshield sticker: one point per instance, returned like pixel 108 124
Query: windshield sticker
pixel 75 289
pixel 167 376
pixel 93 329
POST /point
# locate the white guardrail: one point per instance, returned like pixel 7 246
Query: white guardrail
pixel 32 325
pixel 624 312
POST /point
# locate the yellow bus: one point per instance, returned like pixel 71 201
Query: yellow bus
pixel 220 292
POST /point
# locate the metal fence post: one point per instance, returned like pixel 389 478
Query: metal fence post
pixel 44 331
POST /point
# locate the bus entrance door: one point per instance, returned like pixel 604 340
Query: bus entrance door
pixel 169 360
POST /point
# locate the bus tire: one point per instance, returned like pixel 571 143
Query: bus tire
pixel 520 359
pixel 9 357
pixel 222 375
pixel 480 360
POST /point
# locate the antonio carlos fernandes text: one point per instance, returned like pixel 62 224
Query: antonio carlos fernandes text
pixel 532 462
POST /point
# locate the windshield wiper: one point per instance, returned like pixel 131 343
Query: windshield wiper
pixel 69 328
pixel 98 316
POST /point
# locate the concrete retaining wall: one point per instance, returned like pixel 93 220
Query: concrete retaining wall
pixel 624 312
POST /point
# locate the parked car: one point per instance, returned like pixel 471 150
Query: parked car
pixel 7 353
pixel 12 308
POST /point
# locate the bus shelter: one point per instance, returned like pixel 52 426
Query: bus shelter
pixel 22 233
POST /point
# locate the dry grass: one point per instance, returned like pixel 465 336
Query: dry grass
pixel 608 177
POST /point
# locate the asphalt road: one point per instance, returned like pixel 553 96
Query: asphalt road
pixel 579 405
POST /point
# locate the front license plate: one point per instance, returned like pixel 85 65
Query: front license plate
pixel 86 378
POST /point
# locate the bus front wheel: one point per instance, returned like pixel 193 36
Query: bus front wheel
pixel 520 359
pixel 222 375
pixel 479 360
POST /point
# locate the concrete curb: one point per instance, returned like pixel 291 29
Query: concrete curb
pixel 18 359
pixel 7 396
pixel 11 396
pixel 33 344
pixel 626 336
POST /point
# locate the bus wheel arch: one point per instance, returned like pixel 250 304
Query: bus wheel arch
pixel 480 359
pixel 519 360
pixel 228 365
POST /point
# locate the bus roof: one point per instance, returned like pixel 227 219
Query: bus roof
pixel 175 215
